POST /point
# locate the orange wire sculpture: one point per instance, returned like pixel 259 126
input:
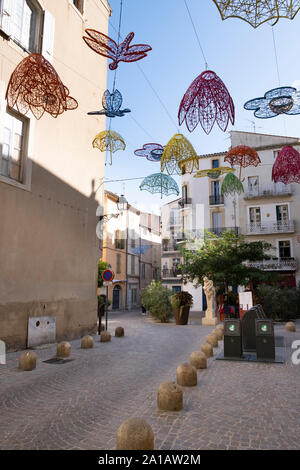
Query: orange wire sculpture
pixel 35 85
pixel 242 156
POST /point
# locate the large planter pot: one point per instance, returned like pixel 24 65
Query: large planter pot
pixel 184 318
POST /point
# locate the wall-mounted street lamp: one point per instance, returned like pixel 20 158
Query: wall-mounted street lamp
pixel 122 205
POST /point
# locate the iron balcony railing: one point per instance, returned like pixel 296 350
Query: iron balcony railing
pixel 281 264
pixel 170 273
pixel 219 230
pixel 269 191
pixel 216 199
pixel 185 202
pixel 278 226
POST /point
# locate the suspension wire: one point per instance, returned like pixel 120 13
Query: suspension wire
pixel 196 34
pixel 278 75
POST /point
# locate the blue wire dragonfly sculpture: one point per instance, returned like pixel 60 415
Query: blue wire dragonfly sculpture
pixel 111 103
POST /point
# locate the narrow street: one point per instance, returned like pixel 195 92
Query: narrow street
pixel 81 404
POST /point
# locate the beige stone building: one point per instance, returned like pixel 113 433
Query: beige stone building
pixel 49 175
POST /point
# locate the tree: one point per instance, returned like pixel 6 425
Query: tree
pixel 102 266
pixel 156 299
pixel 222 259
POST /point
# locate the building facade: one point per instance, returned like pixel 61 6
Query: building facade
pixel 49 174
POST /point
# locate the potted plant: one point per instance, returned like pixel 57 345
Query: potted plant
pixel 181 303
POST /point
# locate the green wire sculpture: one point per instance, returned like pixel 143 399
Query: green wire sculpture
pixel 231 185
pixel 158 183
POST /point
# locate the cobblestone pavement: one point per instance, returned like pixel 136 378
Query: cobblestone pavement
pixel 81 404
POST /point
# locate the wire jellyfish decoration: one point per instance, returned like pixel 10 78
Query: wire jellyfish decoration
pixel 214 173
pixel 231 185
pixel 107 47
pixel 111 103
pixel 257 12
pixel 286 168
pixel 158 183
pixel 35 85
pixel 243 157
pixel 109 141
pixel 283 100
pixel 207 101
pixel 179 156
pixel 153 152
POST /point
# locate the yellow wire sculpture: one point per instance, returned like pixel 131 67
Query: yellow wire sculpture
pixel 179 156
pixel 214 173
pixel 109 140
pixel 257 12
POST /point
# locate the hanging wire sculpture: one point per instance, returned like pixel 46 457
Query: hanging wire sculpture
pixel 231 185
pixel 287 166
pixel 243 157
pixel 282 100
pixel 107 47
pixel 179 156
pixel 140 250
pixel 109 141
pixel 214 173
pixel 207 101
pixel 153 152
pixel 111 103
pixel 257 12
pixel 35 85
pixel 158 183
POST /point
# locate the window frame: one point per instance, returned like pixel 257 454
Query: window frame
pixel 291 248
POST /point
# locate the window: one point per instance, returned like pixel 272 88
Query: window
pixel 284 249
pixel 282 213
pixel 176 289
pixel 79 4
pixel 184 194
pixel 253 182
pixel 255 217
pixel 215 164
pixel 21 19
pixel 118 263
pixel 143 271
pixel 119 240
pixel 13 146
pixel 275 154
pixel 132 265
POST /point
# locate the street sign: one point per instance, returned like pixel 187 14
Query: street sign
pixel 107 275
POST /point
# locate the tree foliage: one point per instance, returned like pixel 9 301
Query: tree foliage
pixel 156 299
pixel 222 259
pixel 102 266
pixel 279 303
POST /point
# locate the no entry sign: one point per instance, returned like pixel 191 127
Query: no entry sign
pixel 107 275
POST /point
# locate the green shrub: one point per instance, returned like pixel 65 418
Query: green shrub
pixel 279 303
pixel 156 299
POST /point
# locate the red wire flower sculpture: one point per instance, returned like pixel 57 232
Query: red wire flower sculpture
pixel 35 85
pixel 107 47
pixel 242 156
pixel 207 101
pixel 287 166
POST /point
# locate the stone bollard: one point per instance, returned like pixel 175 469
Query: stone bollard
pixel 27 361
pixel 186 375
pixel 198 360
pixel 119 331
pixel 87 342
pixel 207 349
pixel 290 326
pixel 105 337
pixel 169 397
pixel 212 339
pixel 220 327
pixel 63 349
pixel 135 434
pixel 219 333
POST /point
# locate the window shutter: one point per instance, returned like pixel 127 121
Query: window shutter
pixel 6 16
pixel 48 36
pixel 27 14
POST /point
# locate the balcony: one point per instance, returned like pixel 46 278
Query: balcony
pixel 271 227
pixel 216 200
pixel 185 202
pixel 282 264
pixel 170 273
pixel 269 191
pixel 220 230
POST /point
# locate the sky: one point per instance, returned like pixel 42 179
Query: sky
pixel 243 57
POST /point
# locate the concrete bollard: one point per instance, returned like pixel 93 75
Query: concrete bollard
pixel 105 337
pixel 207 349
pixel 87 342
pixel 198 360
pixel 27 361
pixel 119 332
pixel 186 375
pixel 290 326
pixel 219 333
pixel 135 434
pixel 212 339
pixel 63 349
pixel 169 397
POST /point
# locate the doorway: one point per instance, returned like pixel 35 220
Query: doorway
pixel 117 297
